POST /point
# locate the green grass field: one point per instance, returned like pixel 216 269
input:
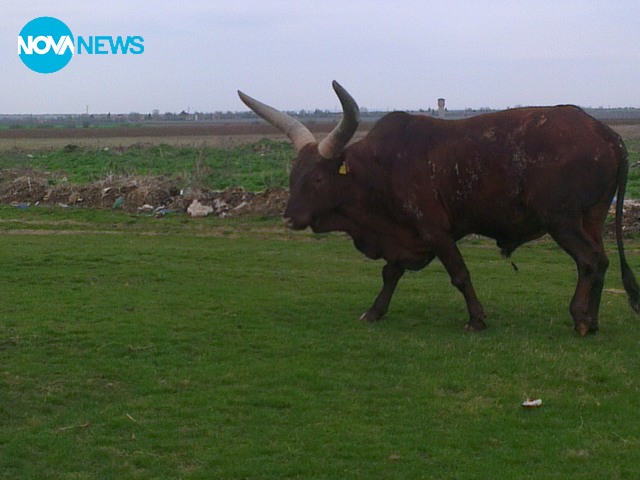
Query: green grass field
pixel 139 348
pixel 255 167
pixel 134 347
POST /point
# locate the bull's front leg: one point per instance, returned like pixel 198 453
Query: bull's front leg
pixel 391 274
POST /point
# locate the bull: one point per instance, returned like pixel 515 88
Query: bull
pixel 415 185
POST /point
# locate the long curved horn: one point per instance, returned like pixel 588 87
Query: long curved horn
pixel 334 143
pixel 292 128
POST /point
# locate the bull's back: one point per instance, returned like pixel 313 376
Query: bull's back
pixel 506 175
pixel 561 161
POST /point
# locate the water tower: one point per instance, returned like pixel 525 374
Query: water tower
pixel 441 107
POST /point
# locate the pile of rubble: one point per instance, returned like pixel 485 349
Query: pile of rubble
pixel 136 194
pixel 630 218
pixel 160 195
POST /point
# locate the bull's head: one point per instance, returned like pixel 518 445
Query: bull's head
pixel 318 184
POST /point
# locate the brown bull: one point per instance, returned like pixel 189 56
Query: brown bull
pixel 415 185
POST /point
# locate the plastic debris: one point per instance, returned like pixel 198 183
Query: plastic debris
pixel 529 403
pixel 196 209
pixel 146 208
pixel 118 203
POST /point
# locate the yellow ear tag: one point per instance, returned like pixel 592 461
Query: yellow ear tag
pixel 343 169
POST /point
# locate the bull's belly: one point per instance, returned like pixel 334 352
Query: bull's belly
pixel 401 247
pixel 510 237
pixel 402 244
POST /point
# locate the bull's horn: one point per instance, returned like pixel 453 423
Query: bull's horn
pixel 334 143
pixel 292 128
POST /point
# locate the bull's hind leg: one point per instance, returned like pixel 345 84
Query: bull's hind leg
pixel 592 263
pixel 594 231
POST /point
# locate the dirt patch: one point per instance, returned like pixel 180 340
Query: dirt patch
pixel 626 131
pixel 158 195
pixel 195 134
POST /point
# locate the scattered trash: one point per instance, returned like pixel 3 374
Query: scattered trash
pixel 28 186
pixel 221 207
pixel 196 209
pixel 146 208
pixel 118 203
pixel 630 219
pixel 161 211
pixel 529 403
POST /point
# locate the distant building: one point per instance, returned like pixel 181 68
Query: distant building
pixel 441 107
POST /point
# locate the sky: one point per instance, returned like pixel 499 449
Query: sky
pixel 389 54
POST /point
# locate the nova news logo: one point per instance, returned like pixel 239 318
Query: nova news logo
pixel 46 45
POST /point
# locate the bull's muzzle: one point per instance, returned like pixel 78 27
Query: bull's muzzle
pixel 288 222
pixel 293 224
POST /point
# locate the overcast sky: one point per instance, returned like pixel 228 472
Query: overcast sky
pixel 389 54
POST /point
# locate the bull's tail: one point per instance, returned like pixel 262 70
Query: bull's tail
pixel 628 279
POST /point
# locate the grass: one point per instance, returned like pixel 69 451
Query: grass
pixel 141 348
pixel 255 167
pixel 633 186
pixel 132 347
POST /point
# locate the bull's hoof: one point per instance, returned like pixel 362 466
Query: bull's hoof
pixel 583 329
pixel 370 316
pixel 475 326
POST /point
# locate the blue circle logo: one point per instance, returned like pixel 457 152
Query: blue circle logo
pixel 45 45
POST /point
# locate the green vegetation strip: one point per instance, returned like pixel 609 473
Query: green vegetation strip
pixel 232 350
pixel 255 167
pixel 633 186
